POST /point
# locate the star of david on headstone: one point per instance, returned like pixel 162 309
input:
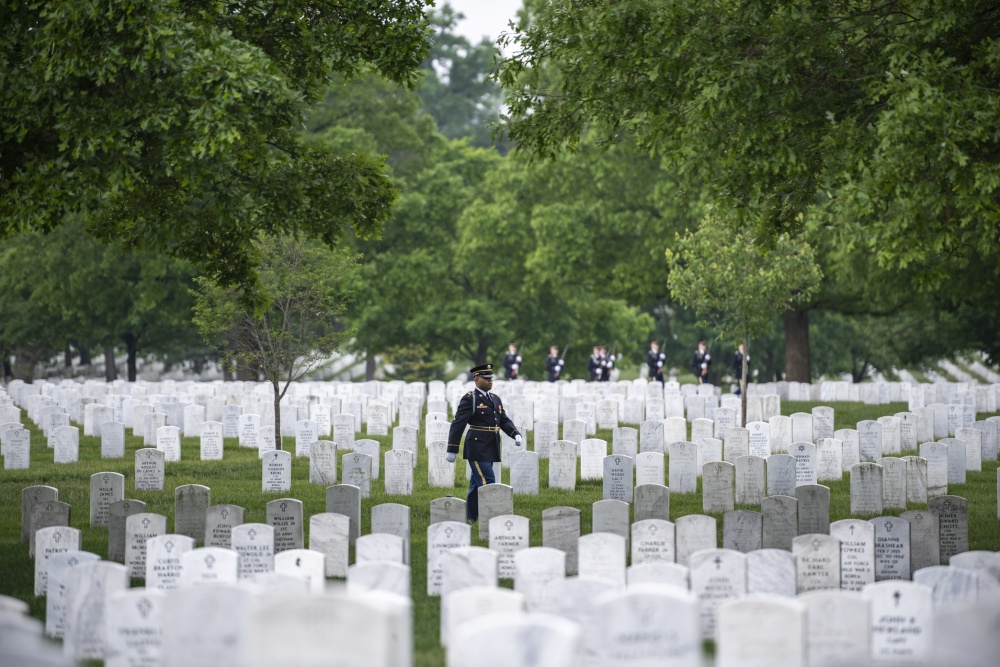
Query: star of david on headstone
pixel 73 561
pixel 802 448
pixel 145 523
pixel 210 561
pixel 143 606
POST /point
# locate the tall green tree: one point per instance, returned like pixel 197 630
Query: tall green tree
pixel 65 287
pixel 877 118
pixel 306 288
pixel 738 284
pixel 175 125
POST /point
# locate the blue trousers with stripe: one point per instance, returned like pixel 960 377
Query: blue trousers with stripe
pixel 482 474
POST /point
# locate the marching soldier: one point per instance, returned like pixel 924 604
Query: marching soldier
pixel 607 363
pixel 511 363
pixel 595 365
pixel 655 360
pixel 554 363
pixel 700 363
pixel 482 411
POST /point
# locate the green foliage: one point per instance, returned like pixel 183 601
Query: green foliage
pixel 174 126
pixel 415 364
pixel 65 286
pixel 305 288
pixel 456 89
pixel 875 121
pixel 737 284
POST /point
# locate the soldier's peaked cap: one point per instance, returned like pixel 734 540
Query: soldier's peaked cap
pixel 484 371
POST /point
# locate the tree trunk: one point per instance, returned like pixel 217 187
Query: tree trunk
pixel 481 351
pixel 131 346
pixel 68 357
pixel 110 371
pixel 228 373
pixel 369 367
pixel 84 355
pixel 245 374
pixel 797 346
pixel 277 417
pixel 743 378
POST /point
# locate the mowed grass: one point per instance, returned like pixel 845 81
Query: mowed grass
pixel 237 480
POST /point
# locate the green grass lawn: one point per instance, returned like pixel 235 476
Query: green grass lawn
pixel 237 480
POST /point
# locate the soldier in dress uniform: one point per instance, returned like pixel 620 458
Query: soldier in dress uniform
pixel 595 365
pixel 700 363
pixel 482 411
pixel 511 363
pixel 655 360
pixel 554 364
pixel 607 364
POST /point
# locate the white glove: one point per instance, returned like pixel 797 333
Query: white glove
pixel 704 366
pixel 708 357
pixel 518 358
pixel 561 362
pixel 517 440
pixel 450 457
pixel 662 356
pixel 659 364
pixel 513 367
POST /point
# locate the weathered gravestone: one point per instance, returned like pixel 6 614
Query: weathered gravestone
pixel 953 515
pixel 356 470
pixel 866 489
pixel 902 617
pixel 602 556
pixel 780 521
pixel 771 572
pixel 254 545
pixel 448 508
pixel 936 455
pixel 139 529
pixel 693 533
pixel 149 469
pixel 617 476
pixel 191 503
pixel 323 463
pixel 814 509
pixel 652 501
pixel 718 480
pixel 857 552
pixel 817 562
pixel 105 488
pixel 682 471
pixel 163 560
pixel 219 523
pixel 285 516
pixel 398 472
pixel 112 440
pixel 761 631
pixel 134 628
pixel 925 539
pixel 561 530
pixel 442 537
pixel 717 576
pixel 329 534
pixel 118 514
pixel 59 567
pixel 494 500
pixel 211 441
pixel 781 469
pixel 750 480
pixel 88 587
pixel 742 530
pixel 49 542
pixel 276 472
pixel 892 548
pixel 509 534
pixel 837 628
pixel 209 565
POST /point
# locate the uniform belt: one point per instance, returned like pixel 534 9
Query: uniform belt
pixel 490 429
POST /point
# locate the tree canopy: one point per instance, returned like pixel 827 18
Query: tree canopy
pixel 175 126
